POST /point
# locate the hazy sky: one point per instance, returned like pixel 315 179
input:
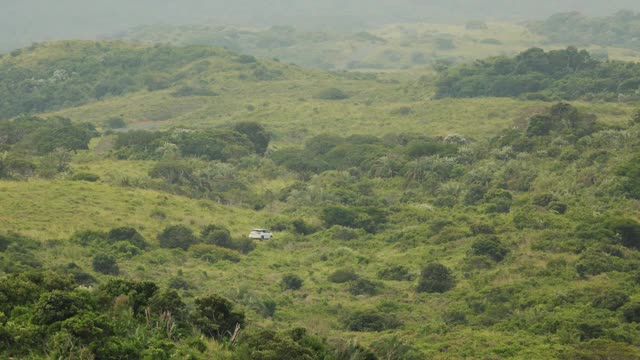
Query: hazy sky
pixel 25 21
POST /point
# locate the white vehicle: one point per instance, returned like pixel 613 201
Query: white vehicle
pixel 261 234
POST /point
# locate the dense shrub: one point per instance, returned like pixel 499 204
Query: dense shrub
pixel 173 172
pixel 213 254
pixel 179 283
pixel 291 282
pixel 568 74
pixel 363 287
pixel 79 275
pixel 58 306
pixel 610 299
pixel 106 264
pixel 169 301
pixel 270 345
pixel 303 228
pixel 628 231
pixel 630 171
pixel 489 246
pixel 369 219
pixel 436 278
pixel 85 176
pixel 482 229
pixel 217 235
pixel 215 317
pixel 593 262
pixel 256 133
pixel 127 234
pixel 139 293
pixel 631 312
pixel 322 144
pixel 332 94
pixel 371 320
pixel 115 122
pixel 177 236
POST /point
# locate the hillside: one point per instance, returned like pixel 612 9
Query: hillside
pixel 406 227
pixel 387 47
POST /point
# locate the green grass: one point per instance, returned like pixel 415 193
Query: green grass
pixel 56 209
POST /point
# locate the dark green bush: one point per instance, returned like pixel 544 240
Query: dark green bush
pixel 106 264
pixel 291 282
pixel 138 293
pixel 301 227
pixel 115 122
pixel 558 207
pixel 363 287
pixel 610 299
pixel 127 234
pixel 79 275
pixel 630 171
pixel 342 276
pixel 213 254
pixel 593 262
pixel 215 317
pixel 332 94
pixel 489 246
pixel 543 200
pixel 482 229
pixel 369 218
pixel 436 278
pixel 179 283
pixel 628 231
pixel 256 133
pixel 177 236
pixel 58 306
pixel 168 301
pixel 266 344
pixel 631 312
pixel 85 176
pixel 217 235
pixel 371 320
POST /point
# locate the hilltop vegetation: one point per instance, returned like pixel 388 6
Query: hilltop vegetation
pixel 618 30
pixel 567 74
pixel 405 227
pixel 48 77
pixel 397 46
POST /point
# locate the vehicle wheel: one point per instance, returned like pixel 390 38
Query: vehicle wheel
pixel 261 237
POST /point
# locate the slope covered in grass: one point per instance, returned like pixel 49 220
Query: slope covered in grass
pixel 405 227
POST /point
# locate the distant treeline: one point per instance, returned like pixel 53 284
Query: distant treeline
pixel 621 29
pixel 86 72
pixel 534 74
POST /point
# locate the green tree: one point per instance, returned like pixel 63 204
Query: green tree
pixel 436 278
pixel 106 264
pixel 256 133
pixel 215 317
pixel 489 246
pixel 177 236
pixel 291 282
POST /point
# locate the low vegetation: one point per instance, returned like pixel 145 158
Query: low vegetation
pixel 518 239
